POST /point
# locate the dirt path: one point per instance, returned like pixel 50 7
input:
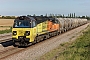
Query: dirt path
pixel 37 50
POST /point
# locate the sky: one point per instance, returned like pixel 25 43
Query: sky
pixel 39 7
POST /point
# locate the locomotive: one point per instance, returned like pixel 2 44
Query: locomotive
pixel 29 30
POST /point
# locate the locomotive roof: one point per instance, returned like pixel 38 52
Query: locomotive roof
pixel 34 18
pixel 24 18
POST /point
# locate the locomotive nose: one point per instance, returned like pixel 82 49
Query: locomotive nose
pixel 21 33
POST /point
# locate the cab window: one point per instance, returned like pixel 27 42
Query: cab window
pixel 33 23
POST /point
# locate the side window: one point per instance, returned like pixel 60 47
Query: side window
pixel 58 22
pixel 34 24
pixel 55 21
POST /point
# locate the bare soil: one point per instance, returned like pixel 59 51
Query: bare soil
pixel 6 22
pixel 4 28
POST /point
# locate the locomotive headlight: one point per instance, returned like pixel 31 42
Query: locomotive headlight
pixel 27 33
pixel 14 32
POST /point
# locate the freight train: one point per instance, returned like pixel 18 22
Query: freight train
pixel 29 30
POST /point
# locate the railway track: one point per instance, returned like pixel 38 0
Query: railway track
pixel 5 37
pixel 35 49
pixel 9 51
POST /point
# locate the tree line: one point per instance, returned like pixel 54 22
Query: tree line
pixel 70 15
pixel 7 17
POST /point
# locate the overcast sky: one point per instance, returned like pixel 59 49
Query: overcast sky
pixel 38 7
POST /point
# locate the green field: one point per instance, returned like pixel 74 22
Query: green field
pixel 76 50
pixel 6 30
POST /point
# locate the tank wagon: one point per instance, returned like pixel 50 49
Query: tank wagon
pixel 29 30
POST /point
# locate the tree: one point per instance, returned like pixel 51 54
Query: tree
pixel 63 16
pixel 59 15
pixel 79 17
pixel 83 17
pixel 41 15
pixel 74 15
pixel 88 18
pixel 70 15
pixel 46 14
pixel 52 15
pixel 2 16
pixel 28 15
pixel 12 17
pixel 55 15
pixel 34 15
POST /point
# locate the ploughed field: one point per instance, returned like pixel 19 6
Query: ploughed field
pixel 6 23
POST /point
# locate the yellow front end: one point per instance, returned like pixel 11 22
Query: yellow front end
pixel 25 33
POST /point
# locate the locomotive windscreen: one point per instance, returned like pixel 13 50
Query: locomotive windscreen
pixel 22 24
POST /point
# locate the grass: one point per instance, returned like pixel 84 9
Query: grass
pixel 76 50
pixel 6 31
pixel 80 50
pixel 5 26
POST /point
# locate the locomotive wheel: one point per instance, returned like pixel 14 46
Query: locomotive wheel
pixel 60 32
pixel 56 33
pixel 30 44
pixel 14 45
pixel 38 39
pixel 41 39
pixel 48 36
pixel 52 34
pixel 35 41
pixel 65 30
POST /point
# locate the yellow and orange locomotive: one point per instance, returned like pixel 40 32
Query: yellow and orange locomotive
pixel 32 29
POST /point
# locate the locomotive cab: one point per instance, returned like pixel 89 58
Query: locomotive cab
pixel 24 30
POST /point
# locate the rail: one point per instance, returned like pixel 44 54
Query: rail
pixel 5 37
